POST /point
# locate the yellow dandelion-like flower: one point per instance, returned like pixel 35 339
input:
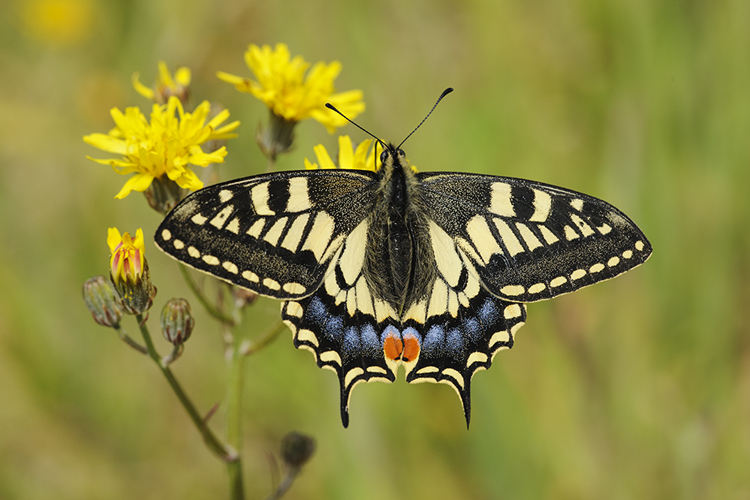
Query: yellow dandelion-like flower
pixel 126 262
pixel 165 85
pixel 361 158
pixel 164 146
pixel 290 93
pixel 128 270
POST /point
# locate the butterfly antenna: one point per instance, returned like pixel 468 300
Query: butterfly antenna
pixel 332 107
pixel 445 93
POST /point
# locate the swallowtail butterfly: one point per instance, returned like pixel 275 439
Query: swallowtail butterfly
pixel 376 270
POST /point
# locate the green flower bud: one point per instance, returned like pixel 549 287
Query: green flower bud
pixel 177 321
pixel 102 301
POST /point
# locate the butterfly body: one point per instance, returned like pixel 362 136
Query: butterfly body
pixel 388 269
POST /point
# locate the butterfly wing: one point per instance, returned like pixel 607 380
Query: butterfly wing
pixel 530 241
pixel 272 233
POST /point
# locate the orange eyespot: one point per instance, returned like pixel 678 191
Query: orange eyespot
pixel 393 347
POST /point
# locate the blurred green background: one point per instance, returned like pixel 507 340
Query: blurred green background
pixel 635 388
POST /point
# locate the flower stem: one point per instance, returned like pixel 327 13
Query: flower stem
pixel 128 340
pixel 251 347
pixel 235 390
pixel 212 309
pixel 225 453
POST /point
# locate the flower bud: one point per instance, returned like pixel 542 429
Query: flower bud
pixel 128 270
pixel 165 85
pixel 296 449
pixel 163 194
pixel 277 138
pixel 102 301
pixel 177 321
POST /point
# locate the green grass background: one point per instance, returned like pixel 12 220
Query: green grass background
pixel 635 388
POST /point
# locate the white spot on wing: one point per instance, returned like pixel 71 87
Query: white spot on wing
pixel 166 235
pixel 476 357
pixel 320 235
pixel 331 357
pixel 549 237
pixel 353 257
pixel 508 236
pixel 193 252
pixel 225 195
pixel 229 266
pixel 274 233
pixel 512 290
pixel 211 260
pixel 578 274
pixel 259 195
pixel 596 268
pixel 450 372
pixel 577 203
pixel 271 284
pixel 294 235
pixel 531 241
pixel 539 287
pixel 299 199
pixel 234 226
pixel 198 219
pixel 639 245
pixel 294 288
pixel 447 260
pixel 256 228
pixel 221 218
pixel 481 237
pixel 542 206
pixel 512 311
pixel 570 233
pixel 500 200
pixel 250 276
pixel 585 228
pixel 307 336
pixel 178 244
pixel 559 281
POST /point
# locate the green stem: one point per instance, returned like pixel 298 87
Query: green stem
pixel 251 347
pixel 225 453
pixel 212 309
pixel 235 389
pixel 128 340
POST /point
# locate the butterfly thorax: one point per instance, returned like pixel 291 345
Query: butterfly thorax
pixel 397 232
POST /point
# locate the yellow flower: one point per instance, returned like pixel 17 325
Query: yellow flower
pixel 127 255
pixel 167 145
pixel 282 85
pixel 59 22
pixel 165 85
pixel 128 271
pixel 348 158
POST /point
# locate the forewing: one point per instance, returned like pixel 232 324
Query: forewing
pixel 531 241
pixel 272 233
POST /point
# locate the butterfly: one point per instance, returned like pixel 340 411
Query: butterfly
pixel 384 269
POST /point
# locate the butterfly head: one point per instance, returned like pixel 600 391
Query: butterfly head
pixel 393 157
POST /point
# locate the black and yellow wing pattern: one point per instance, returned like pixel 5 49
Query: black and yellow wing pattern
pixel 377 270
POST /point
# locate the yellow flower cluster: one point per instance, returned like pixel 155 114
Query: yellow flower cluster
pixel 167 144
